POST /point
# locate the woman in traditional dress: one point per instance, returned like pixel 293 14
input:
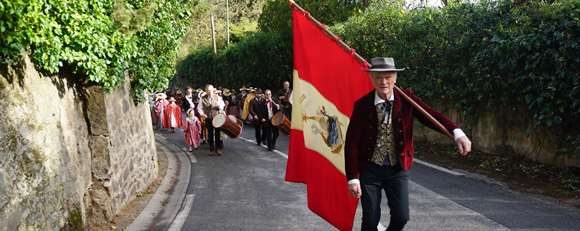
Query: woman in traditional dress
pixel 192 130
pixel 172 116
pixel 160 105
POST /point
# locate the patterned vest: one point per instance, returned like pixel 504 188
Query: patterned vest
pixel 385 140
pixel 211 109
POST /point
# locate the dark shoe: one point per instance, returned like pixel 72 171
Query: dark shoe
pixel 218 152
pixel 270 149
pixel 204 142
pixel 258 143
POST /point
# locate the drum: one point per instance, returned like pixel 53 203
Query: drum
pixel 239 122
pixel 279 120
pixel 228 126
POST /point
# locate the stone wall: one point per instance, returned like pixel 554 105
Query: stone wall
pixel 68 152
pixel 506 131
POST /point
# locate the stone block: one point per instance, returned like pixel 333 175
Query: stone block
pixel 96 113
pixel 100 164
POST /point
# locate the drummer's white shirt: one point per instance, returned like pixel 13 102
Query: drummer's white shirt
pixel 270 112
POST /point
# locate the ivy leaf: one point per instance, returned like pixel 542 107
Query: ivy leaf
pixel 529 98
pixel 557 120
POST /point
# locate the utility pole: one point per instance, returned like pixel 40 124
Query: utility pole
pixel 228 22
pixel 228 36
pixel 214 51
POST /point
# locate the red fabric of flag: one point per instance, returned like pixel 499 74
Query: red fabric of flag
pixel 323 68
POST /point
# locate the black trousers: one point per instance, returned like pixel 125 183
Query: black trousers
pixel 395 182
pixel 213 138
pixel 259 127
pixel 271 133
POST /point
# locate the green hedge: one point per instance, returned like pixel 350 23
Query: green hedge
pixel 261 59
pixel 101 39
pixel 484 55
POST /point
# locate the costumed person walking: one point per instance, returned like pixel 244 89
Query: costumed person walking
pixel 154 115
pixel 209 106
pixel 188 99
pixel 200 93
pixel 254 110
pixel 179 99
pixel 379 145
pixel 230 97
pixel 268 109
pixel 246 105
pixel 284 97
pixel 240 98
pixel 192 130
pixel 159 107
pixel 172 116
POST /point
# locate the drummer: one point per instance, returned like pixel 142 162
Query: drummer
pixel 209 106
pixel 269 107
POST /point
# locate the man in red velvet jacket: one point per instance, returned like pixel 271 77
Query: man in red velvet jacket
pixel 379 146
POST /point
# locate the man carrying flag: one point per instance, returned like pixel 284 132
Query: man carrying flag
pixel 328 78
pixel 379 145
pixel 327 81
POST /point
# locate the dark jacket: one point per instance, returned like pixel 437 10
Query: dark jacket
pixel 255 108
pixel 185 104
pixel 264 109
pixel 361 136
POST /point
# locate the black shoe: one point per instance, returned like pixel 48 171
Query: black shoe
pixel 258 143
pixel 270 149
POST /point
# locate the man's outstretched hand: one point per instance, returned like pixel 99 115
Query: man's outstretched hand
pixel 463 145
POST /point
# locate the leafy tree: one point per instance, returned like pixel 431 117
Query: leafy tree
pixel 277 17
pixel 103 40
pixel 243 16
pixel 248 62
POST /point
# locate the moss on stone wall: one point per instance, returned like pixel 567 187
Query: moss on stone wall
pixel 75 220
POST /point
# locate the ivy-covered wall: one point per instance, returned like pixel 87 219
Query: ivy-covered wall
pixel 70 155
pixel 101 39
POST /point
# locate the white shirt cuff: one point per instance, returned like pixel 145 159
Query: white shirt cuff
pixel 354 181
pixel 458 133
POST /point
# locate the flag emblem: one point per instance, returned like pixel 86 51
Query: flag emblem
pixel 330 129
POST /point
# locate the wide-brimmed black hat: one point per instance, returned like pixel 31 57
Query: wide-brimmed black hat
pixel 259 91
pixel 382 64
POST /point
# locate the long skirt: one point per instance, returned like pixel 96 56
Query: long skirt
pixel 160 122
pixel 233 110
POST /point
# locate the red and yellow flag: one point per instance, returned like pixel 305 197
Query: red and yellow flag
pixel 327 82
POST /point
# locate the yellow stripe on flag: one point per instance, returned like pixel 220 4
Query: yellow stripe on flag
pixel 323 125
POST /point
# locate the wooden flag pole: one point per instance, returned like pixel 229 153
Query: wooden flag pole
pixel 425 113
pixel 367 65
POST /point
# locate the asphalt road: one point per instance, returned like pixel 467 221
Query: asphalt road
pixel 244 189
